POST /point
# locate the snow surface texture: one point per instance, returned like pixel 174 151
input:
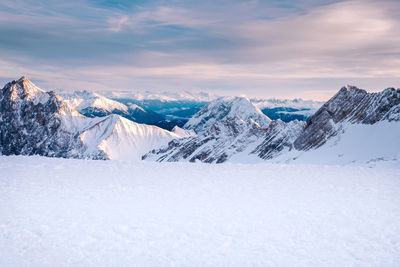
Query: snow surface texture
pixel 182 132
pixel 356 143
pixel 65 212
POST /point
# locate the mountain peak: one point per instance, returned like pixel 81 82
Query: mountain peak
pixel 225 108
pixel 351 88
pixel 23 88
pixel 23 78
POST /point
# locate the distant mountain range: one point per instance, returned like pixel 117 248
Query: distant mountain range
pixel 161 96
pixel 92 105
pixel 167 110
pixel 352 126
pixel 287 110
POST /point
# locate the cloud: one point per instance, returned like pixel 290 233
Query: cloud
pixel 274 48
pixel 117 24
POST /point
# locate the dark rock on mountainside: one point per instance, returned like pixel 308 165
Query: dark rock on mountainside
pixel 278 136
pixel 350 105
pixel 31 123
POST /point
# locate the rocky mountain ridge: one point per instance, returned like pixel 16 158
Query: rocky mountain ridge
pixel 352 105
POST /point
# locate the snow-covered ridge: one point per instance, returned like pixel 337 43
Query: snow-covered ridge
pixel 121 138
pixel 94 105
pixel 182 132
pixel 81 100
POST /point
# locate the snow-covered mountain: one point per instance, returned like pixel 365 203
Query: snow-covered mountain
pixel 120 138
pixel 350 105
pixel 84 100
pixel 91 104
pixel 34 121
pixel 179 107
pixel 226 108
pixel 182 132
pixel 352 126
pixel 229 127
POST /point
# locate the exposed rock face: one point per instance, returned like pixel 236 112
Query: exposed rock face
pixel 279 136
pixel 31 123
pixel 351 105
pixel 224 138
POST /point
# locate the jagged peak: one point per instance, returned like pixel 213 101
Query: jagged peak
pixel 224 108
pixel 24 88
pixel 23 78
pixel 26 84
pixel 350 88
pixel 391 90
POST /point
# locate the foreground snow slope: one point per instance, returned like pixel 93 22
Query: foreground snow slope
pixel 356 143
pixel 65 212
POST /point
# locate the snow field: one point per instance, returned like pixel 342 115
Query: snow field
pixel 65 212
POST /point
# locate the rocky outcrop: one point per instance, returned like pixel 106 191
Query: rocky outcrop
pixel 279 136
pixel 350 105
pixel 224 139
pixel 31 123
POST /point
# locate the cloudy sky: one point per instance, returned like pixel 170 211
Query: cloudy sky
pixel 276 48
